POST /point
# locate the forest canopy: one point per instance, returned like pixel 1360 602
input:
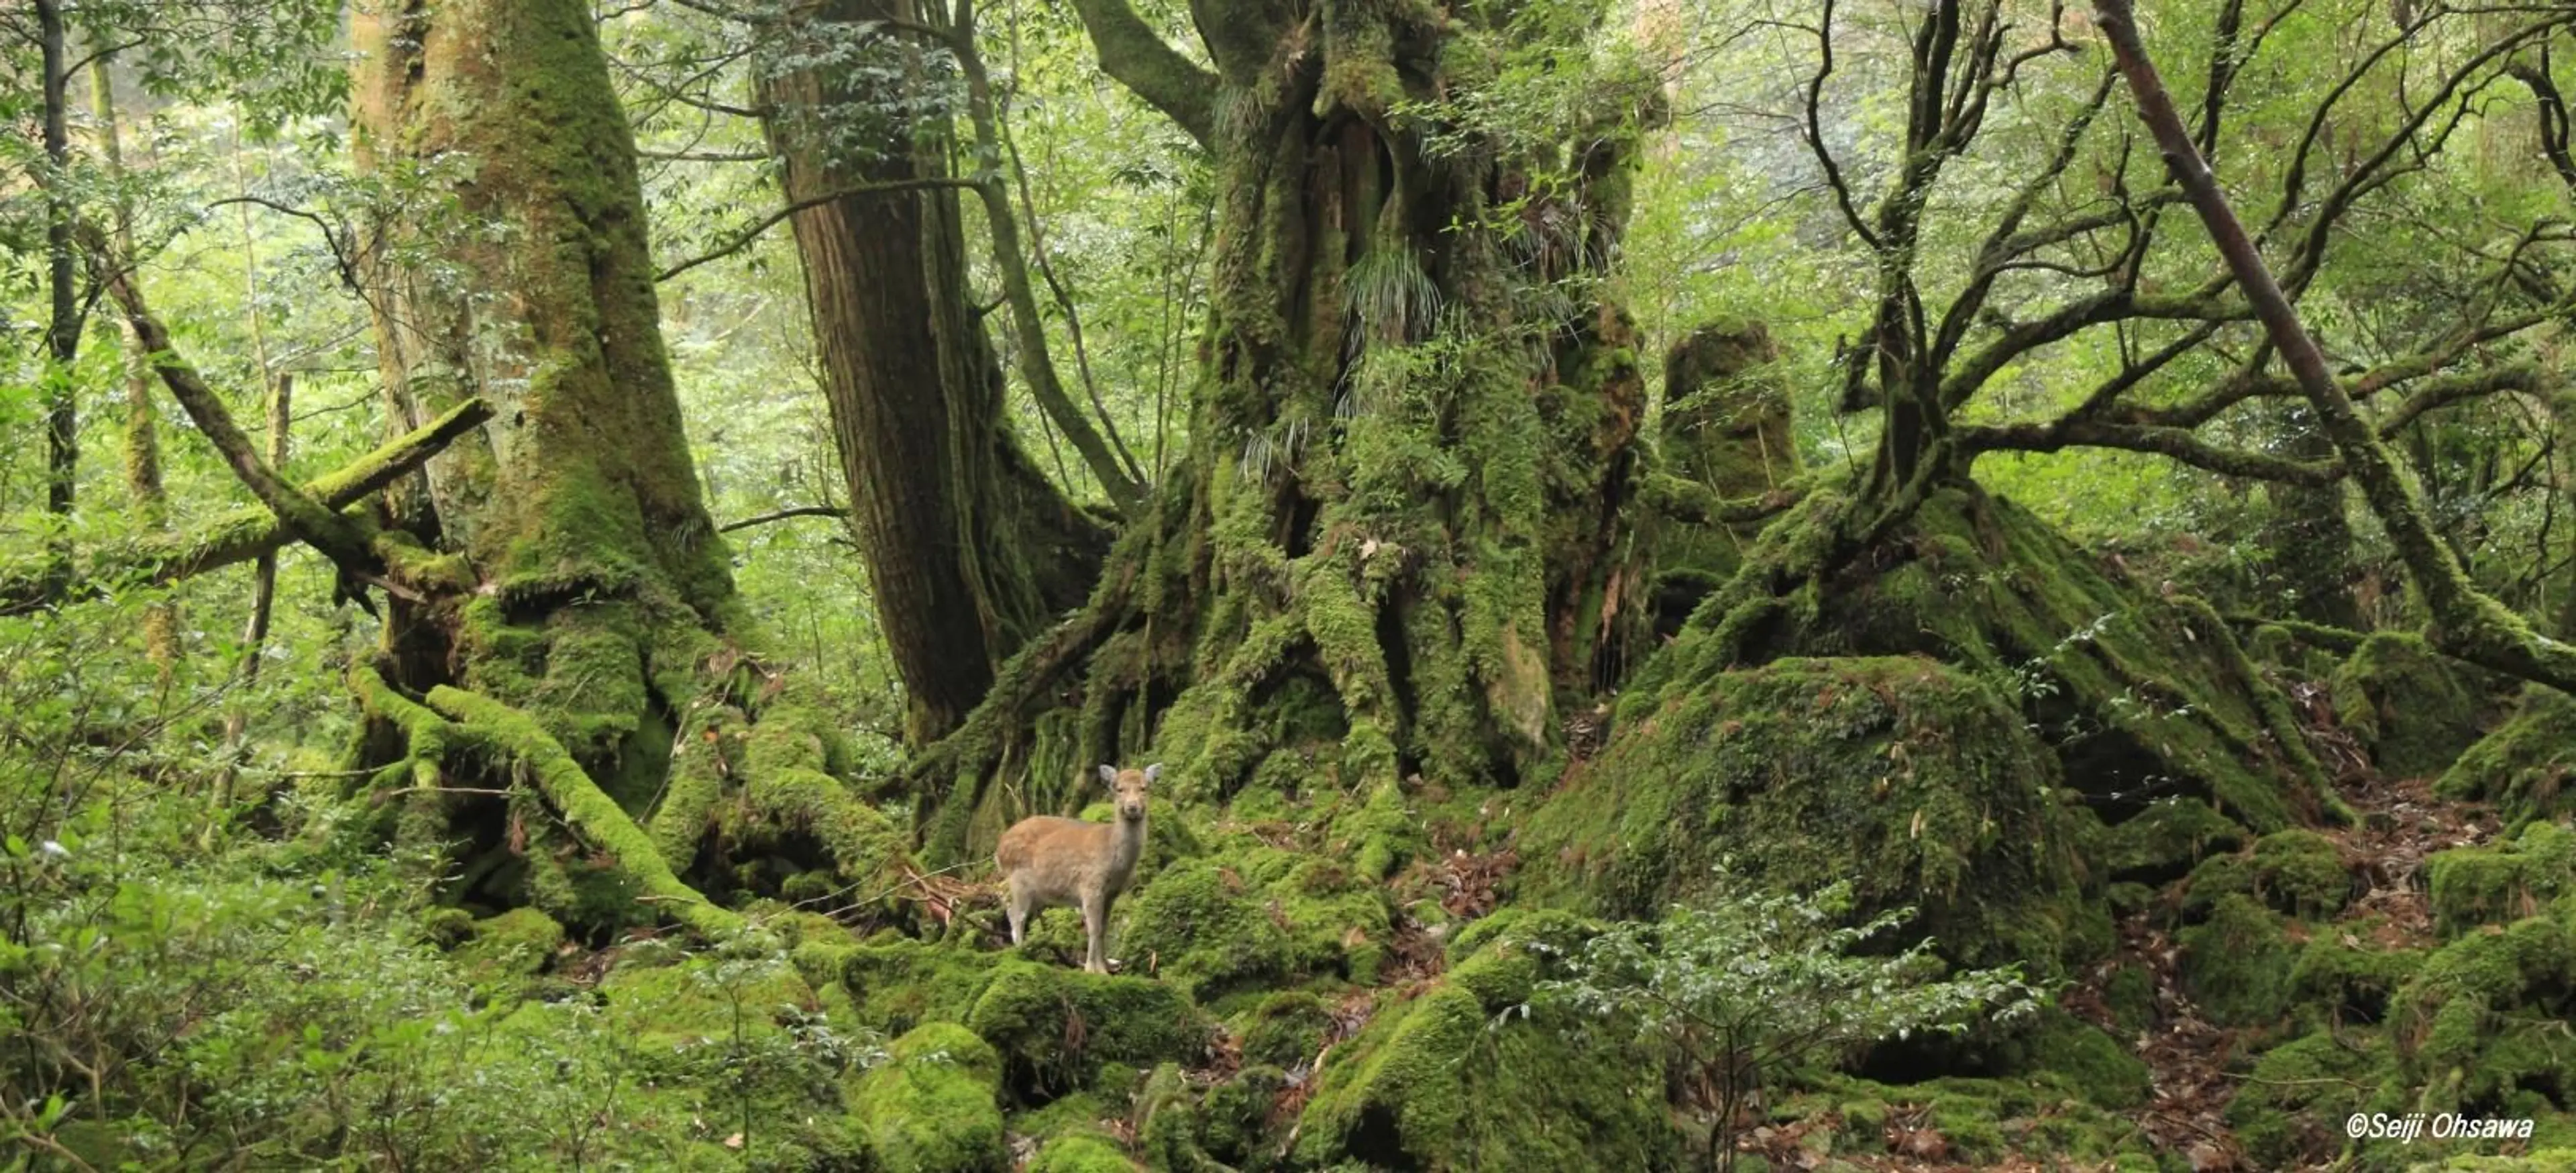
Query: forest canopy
pixel 546 541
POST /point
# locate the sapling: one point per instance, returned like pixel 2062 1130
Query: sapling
pixel 1749 985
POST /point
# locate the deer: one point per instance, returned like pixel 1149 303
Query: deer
pixel 1051 862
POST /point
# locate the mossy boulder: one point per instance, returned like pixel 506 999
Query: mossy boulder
pixel 2475 886
pixel 1054 1027
pixel 2406 704
pixel 1441 1079
pixel 2340 977
pixel 2290 1112
pixel 899 983
pixel 2295 873
pixel 1914 781
pixel 2525 766
pixel 930 1107
pixel 1285 1030
pixel 1203 927
pixel 2237 964
pixel 2478 1023
pixel 705 1000
pixel 2163 841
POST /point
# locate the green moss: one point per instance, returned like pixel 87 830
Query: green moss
pixel 2337 982
pixel 1081 1153
pixel 1198 926
pixel 2237 965
pixel 2065 1049
pixel 2524 766
pixel 2464 1025
pixel 2290 1112
pixel 704 1000
pixel 2407 704
pixel 1285 1030
pixel 1910 779
pixel 930 1107
pixel 2301 873
pixel 901 983
pixel 2166 839
pixel 1055 1026
pixel 2513 879
pixel 1441 1080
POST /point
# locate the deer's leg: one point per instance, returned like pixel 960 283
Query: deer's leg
pixel 1018 911
pixel 1095 926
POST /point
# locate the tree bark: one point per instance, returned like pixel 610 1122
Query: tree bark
pixel 142 428
pixel 969 549
pixel 63 317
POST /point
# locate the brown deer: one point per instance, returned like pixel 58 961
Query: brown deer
pixel 1051 862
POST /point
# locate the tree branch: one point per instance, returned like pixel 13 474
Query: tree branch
pixel 2467 622
pixel 743 239
pixel 1138 58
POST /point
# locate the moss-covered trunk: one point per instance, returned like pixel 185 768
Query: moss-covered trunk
pixel 573 613
pixel 1400 535
pixel 969 549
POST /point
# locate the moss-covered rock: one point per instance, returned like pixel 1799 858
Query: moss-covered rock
pixel 1285 1030
pixel 900 983
pixel 2525 766
pixel 2505 882
pixel 2163 841
pixel 517 944
pixel 2476 1024
pixel 1055 1026
pixel 1440 1080
pixel 930 1107
pixel 2341 978
pixel 1912 780
pixel 2290 1112
pixel 1200 925
pixel 2237 964
pixel 1080 1153
pixel 2405 703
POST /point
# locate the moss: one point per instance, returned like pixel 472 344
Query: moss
pixel 2475 886
pixel 1054 1026
pixel 2301 873
pixel 2166 839
pixel 2524 766
pixel 2289 1112
pixel 930 1107
pixel 2339 978
pixel 516 944
pixel 2237 965
pixel 2464 1024
pixel 1082 1153
pixel 899 983
pixel 1198 926
pixel 2077 1054
pixel 1285 1030
pixel 2405 703
pixel 1911 779
pixel 704 1000
pixel 1442 1080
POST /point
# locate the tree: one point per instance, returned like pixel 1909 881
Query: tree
pixel 969 549
pixel 1413 436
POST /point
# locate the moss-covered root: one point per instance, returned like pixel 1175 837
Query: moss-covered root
pixel 931 1108
pixel 2407 703
pixel 594 815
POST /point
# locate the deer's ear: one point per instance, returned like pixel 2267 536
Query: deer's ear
pixel 1109 773
pixel 1153 772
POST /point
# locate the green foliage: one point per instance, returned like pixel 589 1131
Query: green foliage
pixel 1752 986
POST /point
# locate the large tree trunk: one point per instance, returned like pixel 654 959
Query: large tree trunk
pixel 1400 531
pixel 576 614
pixel 969 549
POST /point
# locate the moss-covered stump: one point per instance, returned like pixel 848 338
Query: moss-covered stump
pixel 1054 1027
pixel 2237 964
pixel 1912 780
pixel 930 1107
pixel 1440 1080
pixel 2475 886
pixel 2406 704
pixel 1726 429
pixel 2141 696
pixel 2525 766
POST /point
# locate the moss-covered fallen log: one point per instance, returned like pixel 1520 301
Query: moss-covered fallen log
pixel 243 534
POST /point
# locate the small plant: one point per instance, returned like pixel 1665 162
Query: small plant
pixel 1755 984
